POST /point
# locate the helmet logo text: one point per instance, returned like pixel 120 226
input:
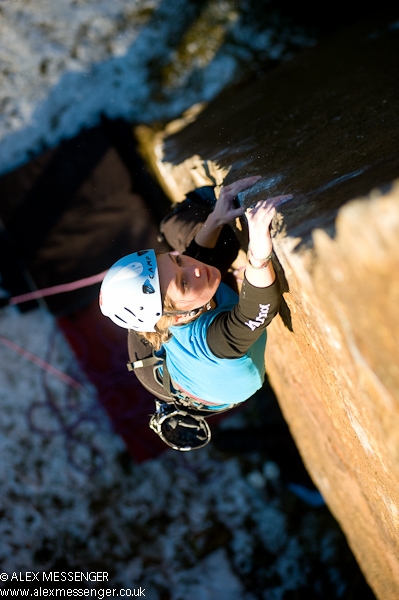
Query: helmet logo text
pixel 150 267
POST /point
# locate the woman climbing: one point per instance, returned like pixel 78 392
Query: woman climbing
pixel 196 344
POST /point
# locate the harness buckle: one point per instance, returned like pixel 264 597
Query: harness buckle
pixel 145 362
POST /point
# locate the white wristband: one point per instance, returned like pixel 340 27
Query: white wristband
pixel 264 261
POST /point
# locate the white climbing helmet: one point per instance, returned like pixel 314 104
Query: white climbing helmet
pixel 130 293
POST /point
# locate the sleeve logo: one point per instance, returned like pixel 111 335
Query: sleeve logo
pixel 260 319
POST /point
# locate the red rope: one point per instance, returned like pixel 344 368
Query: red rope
pixel 41 363
pixel 50 291
pixel 58 289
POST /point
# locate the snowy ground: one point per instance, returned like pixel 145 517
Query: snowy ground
pixel 198 525
pixel 202 525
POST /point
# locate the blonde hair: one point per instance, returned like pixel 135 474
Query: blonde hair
pixel 161 334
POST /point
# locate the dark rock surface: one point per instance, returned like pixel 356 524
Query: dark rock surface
pixel 324 127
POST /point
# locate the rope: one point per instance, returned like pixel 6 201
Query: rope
pixel 46 366
pixel 84 455
pixel 66 419
pixel 58 289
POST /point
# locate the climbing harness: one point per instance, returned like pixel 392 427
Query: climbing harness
pixel 179 420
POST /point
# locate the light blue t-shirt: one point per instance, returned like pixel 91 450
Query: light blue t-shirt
pixel 196 370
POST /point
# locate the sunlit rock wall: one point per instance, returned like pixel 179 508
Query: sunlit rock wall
pixel 324 127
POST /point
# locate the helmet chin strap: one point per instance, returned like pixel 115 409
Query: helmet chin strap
pixel 191 313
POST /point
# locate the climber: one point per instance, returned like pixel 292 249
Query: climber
pixel 192 340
